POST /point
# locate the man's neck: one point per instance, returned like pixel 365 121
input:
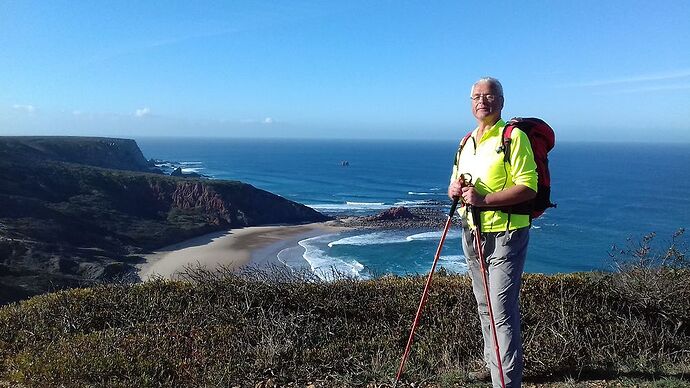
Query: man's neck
pixel 485 125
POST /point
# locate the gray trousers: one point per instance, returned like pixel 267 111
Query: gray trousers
pixel 504 255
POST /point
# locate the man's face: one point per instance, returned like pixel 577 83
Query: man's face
pixel 486 102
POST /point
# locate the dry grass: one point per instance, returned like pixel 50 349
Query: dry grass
pixel 222 329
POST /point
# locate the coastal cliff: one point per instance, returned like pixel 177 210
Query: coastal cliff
pixel 83 210
pixel 119 154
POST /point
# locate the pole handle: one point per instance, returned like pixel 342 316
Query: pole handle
pixel 453 206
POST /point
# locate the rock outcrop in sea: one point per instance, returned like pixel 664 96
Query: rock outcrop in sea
pixel 178 172
pixel 401 218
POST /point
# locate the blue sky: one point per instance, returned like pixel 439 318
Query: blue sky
pixel 596 70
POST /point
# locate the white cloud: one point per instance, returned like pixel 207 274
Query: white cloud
pixel 142 112
pixel 668 76
pixel 646 89
pixel 265 121
pixel 25 108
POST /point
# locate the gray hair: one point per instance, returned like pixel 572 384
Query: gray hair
pixel 495 84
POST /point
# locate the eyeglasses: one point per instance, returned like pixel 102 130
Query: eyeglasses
pixel 489 97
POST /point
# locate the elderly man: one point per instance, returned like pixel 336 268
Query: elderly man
pixel 496 185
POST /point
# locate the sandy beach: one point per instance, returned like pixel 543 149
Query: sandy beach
pixel 233 249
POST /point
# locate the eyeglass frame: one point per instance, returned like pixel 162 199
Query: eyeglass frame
pixel 489 97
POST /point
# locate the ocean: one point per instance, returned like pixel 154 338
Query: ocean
pixel 608 195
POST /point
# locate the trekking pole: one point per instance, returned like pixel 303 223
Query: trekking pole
pixel 425 293
pixel 478 246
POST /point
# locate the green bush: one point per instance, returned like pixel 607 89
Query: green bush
pixel 224 330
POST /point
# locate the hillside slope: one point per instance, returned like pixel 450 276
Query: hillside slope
pixel 119 154
pixel 230 331
pixel 64 222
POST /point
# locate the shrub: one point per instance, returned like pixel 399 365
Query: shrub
pixel 222 329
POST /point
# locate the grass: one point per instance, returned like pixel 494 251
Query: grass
pixel 264 329
pixel 220 329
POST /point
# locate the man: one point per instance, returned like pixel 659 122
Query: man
pixel 496 186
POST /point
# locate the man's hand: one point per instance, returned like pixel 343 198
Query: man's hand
pixel 472 197
pixel 455 190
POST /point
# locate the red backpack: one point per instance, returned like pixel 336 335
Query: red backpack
pixel 542 139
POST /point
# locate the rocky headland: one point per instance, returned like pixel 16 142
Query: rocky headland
pixel 80 210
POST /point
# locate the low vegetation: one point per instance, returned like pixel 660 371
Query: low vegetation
pixel 223 329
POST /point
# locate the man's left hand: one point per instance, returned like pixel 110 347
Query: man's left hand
pixel 472 197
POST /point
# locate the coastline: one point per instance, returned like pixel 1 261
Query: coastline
pixel 256 246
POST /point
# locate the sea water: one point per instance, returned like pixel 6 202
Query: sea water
pixel 608 195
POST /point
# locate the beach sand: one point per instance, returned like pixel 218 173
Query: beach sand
pixel 253 246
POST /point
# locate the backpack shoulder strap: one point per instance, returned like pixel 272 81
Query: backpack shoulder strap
pixel 507 133
pixel 464 140
pixel 461 146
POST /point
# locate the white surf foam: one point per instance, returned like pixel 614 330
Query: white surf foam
pixel 435 235
pixel 327 267
pixel 375 238
pixel 185 167
pixel 293 259
pixel 327 206
pixel 380 238
pixel 546 225
pixel 419 193
pixel 350 206
pixel 453 263
pixel 412 203
pixel 364 204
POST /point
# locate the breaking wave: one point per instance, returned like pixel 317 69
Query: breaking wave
pixel 327 267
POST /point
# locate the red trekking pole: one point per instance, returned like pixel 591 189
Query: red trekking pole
pixel 425 293
pixel 480 252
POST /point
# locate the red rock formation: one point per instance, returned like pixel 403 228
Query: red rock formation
pixel 394 213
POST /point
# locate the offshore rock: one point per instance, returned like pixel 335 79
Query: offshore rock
pixel 402 218
pixel 178 172
pixel 392 214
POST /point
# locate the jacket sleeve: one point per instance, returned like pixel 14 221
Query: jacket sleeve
pixel 522 165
